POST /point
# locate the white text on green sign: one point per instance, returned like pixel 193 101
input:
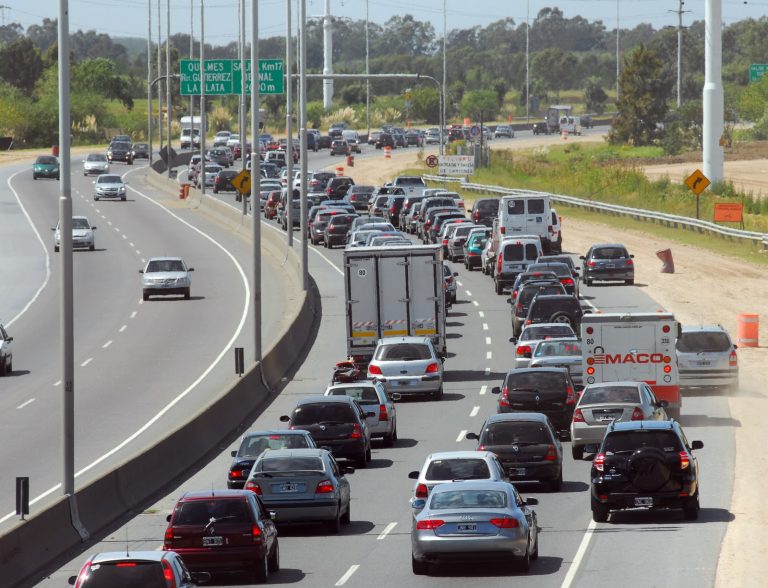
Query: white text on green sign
pixel 223 77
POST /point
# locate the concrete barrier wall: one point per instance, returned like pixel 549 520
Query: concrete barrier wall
pixel 36 547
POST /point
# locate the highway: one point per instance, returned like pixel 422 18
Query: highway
pixel 634 548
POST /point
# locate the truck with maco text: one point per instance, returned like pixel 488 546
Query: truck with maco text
pixel 393 292
pixel 633 346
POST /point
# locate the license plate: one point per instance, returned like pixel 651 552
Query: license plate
pixel 703 363
pixel 213 541
pixel 289 488
pixel 643 501
pixel 403 382
pixel 609 266
pixel 517 471
pixel 605 419
pixel 467 528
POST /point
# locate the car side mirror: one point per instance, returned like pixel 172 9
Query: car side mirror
pixel 93 228
pixel 348 470
pixel 582 257
pixel 735 346
pixel 697 445
pixel 455 274
pixel 168 518
pixel 72 580
pixel 496 390
pixel 191 269
pixel 141 271
pixel 564 435
pixel 413 475
pixel 395 396
pixel 418 504
pixel 200 577
pixel 473 436
pixel 53 228
pixel 531 501
pixel 631 256
pixel 233 453
pixel 285 418
pixel 272 515
pixel 509 301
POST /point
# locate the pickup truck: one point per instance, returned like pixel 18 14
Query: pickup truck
pixel 411 185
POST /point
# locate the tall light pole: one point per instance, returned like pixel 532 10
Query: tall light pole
pixel 159 73
pixel 680 13
pixel 191 56
pixel 713 90
pixel 617 50
pixel 303 147
pixel 255 180
pixel 367 70
pixel 149 78
pixel 288 124
pixel 243 123
pixel 527 61
pixel 445 77
pixel 203 122
pixel 327 56
pixel 168 81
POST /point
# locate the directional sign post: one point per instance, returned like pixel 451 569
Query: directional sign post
pixel 242 183
pixel 223 78
pixel 697 182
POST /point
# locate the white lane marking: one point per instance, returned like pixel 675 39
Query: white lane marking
pixel 487 340
pixel 117 230
pixel 573 570
pixel 142 259
pixel 98 211
pixel 347 575
pixel 485 326
pixel 133 314
pixel 476 303
pixel 483 390
pixel 57 383
pixel 23 404
pixel 125 236
pixel 387 530
pixel 107 344
pixel 474 411
pixel 104 217
pixel 36 295
pixel 489 355
pixel 86 362
pixel 462 435
pixel 459 283
pixel 481 314
pixel 109 223
pixel 487 371
pixel 123 328
pixel 468 293
pixel 138 253
pixel 131 244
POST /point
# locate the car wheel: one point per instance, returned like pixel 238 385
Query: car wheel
pixel 361 462
pixel 334 525
pixel 145 296
pixel 92 248
pixel 273 564
pixel 56 248
pixel 524 563
pixel 123 199
pixel 346 518
pixel 439 394
pixel 499 288
pixel 34 176
pixel 261 572
pixel 3 367
pixel 419 568
pixel 557 484
pixel 368 455
pixel 599 511
pixel 389 439
pixel 535 552
pixel 587 282
pixel 630 282
pixel 216 191
pixel 691 508
pixel 562 317
pixel 186 294
pixel 577 451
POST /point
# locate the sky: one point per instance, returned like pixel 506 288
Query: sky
pixel 128 18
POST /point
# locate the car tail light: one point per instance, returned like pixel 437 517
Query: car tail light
pixel 498 263
pixel 685 460
pixel 445 241
pixel 551 454
pixel 599 462
pixel 472 254
pixel 83 575
pixel 591 263
pixel 732 360
pixel 126 564
pixel 235 474
pixel 432 368
pixel 522 350
pixel 505 523
pixel 429 524
pixel 481 447
pixel 324 487
pixel 637 414
pixel 253 487
pixel 504 398
pixel 170 579
pixel 477 215
pixel 502 230
pixel 374 369
pixel 168 538
pixel 392 210
pixel 356 433
pixel 578 416
pixel 567 281
pixel 629 262
pixel 422 491
pixel 256 534
pixel 383 416
pixel 570 396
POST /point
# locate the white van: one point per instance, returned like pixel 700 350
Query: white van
pixel 527 214
pixel 514 257
pixel 352 139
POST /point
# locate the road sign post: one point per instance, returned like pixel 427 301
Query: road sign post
pixel 223 78
pixel 697 182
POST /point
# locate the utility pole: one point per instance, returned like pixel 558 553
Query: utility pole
pixel 303 146
pixel 255 180
pixel 149 78
pixel 445 77
pixel 168 78
pixel 327 56
pixel 618 51
pixel 288 125
pixel 191 56
pixel 680 13
pixel 159 73
pixel 243 122
pixel 203 122
pixel 713 91
pixel 367 70
pixel 527 61
pixel 3 8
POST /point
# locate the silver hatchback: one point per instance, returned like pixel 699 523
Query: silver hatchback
pixel 165 276
pixel 408 366
pixel 372 397
pixel 706 357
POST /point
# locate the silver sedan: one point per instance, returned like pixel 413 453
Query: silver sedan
pixel 407 365
pixel 109 186
pixel 164 276
pixel 95 163
pixel 474 522
pixel 602 404
pixel 373 398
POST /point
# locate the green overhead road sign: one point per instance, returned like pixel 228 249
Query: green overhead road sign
pixel 222 77
pixel 757 71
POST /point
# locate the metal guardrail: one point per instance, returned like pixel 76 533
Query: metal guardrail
pixel 668 220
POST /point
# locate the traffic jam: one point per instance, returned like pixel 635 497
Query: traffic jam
pixel 607 385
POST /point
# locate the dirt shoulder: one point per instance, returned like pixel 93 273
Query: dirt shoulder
pixel 749 176
pixel 705 287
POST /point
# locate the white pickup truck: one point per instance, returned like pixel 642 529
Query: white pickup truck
pixel 411 185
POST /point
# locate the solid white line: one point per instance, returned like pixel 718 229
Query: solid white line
pixel 107 344
pixel 476 303
pixel 483 390
pixel 489 355
pixel 343 580
pixel 474 411
pixel 123 328
pixel 23 404
pixel 468 293
pixel 462 435
pixel 57 383
pixel 86 362
pixel 42 244
pixel 573 570
pixel 481 314
pixel 387 530
pixel 487 340
pixel 485 326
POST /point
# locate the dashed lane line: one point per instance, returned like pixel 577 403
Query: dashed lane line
pixel 483 390
pixel 485 326
pixel 474 411
pixel 107 344
pixel 123 328
pixel 469 293
pixel 347 575
pixel 387 530
pixel 577 559
pixel 487 340
pixel 489 355
pixel 476 303
pixel 462 434
pixel 481 314
pixel 23 404
pixel 133 314
pixel 86 362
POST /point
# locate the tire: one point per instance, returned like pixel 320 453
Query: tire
pixel 599 511
pixel 216 191
pixel 368 455
pixel 562 317
pixel 56 249
pixel 630 282
pixel 524 563
pixel 577 452
pixel 145 296
pixel 389 439
pixel 3 368
pixel 273 563
pixel 499 288
pixel 261 572
pixel 346 518
pixel 334 525
pixel 557 484
pixel 96 198
pixel 439 394
pixel 361 462
pixel 691 508
pixel 186 294
pixel 34 176
pixel 92 248
pixel 123 199
pixel 419 568
pixel 535 552
pixel 587 282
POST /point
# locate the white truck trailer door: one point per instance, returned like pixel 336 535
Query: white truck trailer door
pixel 362 295
pixel 393 298
pixel 424 295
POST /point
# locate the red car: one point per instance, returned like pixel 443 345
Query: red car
pixel 237 150
pixel 270 208
pixel 224 531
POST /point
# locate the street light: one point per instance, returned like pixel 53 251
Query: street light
pixel 445 76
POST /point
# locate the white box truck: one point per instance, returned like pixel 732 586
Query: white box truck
pixel 638 347
pixel 526 213
pixel 393 292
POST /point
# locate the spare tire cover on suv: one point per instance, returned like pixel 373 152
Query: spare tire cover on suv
pixel 648 469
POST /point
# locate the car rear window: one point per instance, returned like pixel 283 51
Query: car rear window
pixel 478 242
pixel 535 380
pixel 515 432
pixel 200 512
pixel 363 394
pixel 515 206
pixel 308 414
pixel 292 464
pixel 604 395
pixel 609 253
pixel 126 574
pixel 469 499
pixel 255 445
pixel 403 352
pixel 629 441
pixel 549 306
pixel 520 252
pixel 536 206
pixel 533 332
pixel 526 294
pixel 409 181
pixel 559 269
pixel 458 469
pixel 695 342
pixel 558 349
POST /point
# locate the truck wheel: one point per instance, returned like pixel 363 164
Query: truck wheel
pixel 499 288
pixel 577 452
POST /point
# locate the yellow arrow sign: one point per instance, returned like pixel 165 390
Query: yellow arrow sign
pixel 242 182
pixel 697 182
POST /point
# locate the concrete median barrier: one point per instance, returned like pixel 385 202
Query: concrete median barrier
pixel 34 548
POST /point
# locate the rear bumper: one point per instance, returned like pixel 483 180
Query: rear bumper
pixel 303 512
pixel 413 385
pixel 222 559
pixel 549 470
pixel 610 274
pixel 426 546
pixel 582 434
pixel 701 377
pixel 621 500
pixel 350 448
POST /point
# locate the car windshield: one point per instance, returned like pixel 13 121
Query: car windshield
pixel 535 380
pixel 119 145
pixel 255 445
pixel 536 332
pixel 458 469
pixel 109 180
pixel 165 265
pixel 80 223
pixel 200 512
pixel 630 441
pixel 363 394
pixel 609 253
pixel 46 160
pixel 309 414
pixel 604 395
pixel 96 157
pixel 409 181
pixel 558 349
pixel 515 432
pixel 707 341
pixel 403 352
pixel 468 499
pixel 292 464
pixel 126 574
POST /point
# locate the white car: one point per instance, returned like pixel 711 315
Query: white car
pixel 110 186
pixel 95 163
pixel 163 276
pixel 372 396
pixel 6 352
pixel 82 234
pixel 533 334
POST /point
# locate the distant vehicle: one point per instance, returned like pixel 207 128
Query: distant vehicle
pixel 504 131
pixel 120 151
pixel 165 276
pixel 140 150
pixel 540 128
pixel 254 443
pixel 608 262
pixel 190 138
pixel 223 181
pixel 6 352
pixel 82 234
pixel 353 140
pixel 339 147
pixel 45 166
pixel 372 396
pixel 555 114
pixel 95 163
pixel 385 140
pixel 109 186
pixel 221 138
pixel 337 128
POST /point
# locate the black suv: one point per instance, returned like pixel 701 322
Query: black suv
pixel 336 423
pixel 120 151
pixel 562 308
pixel 524 297
pixel 546 390
pixel 385 140
pixel 484 210
pixel 338 187
pixel 645 464
pixel 394 205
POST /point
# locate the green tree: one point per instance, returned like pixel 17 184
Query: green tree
pixel 643 96
pixel 555 69
pixel 480 103
pixel 353 94
pixel 594 95
pixel 21 64
pixel 426 104
pixel 753 100
pixel 99 76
